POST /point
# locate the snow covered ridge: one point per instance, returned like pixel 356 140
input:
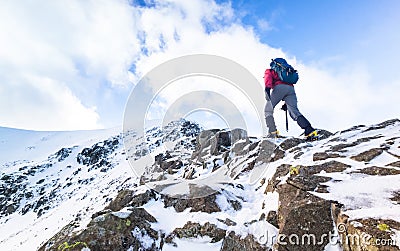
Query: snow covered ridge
pixel 48 179
pixel 205 190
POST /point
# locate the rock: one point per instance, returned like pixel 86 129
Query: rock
pixel 236 205
pixel 228 222
pixel 97 155
pixel 189 173
pixel 309 183
pixel 127 198
pixel 109 232
pixel 266 150
pixel 281 171
pixel 380 171
pixel 306 172
pixel 324 134
pixel 325 155
pixel 233 242
pixel 383 125
pixel 163 161
pixel 290 143
pixel 215 142
pixel 341 147
pixel 122 200
pixel 62 154
pixel 195 230
pixel 240 148
pixel 220 142
pixel 272 218
pixel 238 134
pixel 396 197
pixel 203 141
pixel 367 234
pixel 303 220
pixel 368 155
pixel 205 204
pixel 329 167
pixel 278 154
pixel 354 128
pixel 395 164
pixel 189 129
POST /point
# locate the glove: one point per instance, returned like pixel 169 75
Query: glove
pixel 284 107
pixel 267 93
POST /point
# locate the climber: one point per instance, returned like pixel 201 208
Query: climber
pixel 275 91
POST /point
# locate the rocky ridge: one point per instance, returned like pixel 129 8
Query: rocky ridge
pixel 340 193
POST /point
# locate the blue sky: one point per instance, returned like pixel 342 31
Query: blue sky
pixel 321 29
pixel 69 65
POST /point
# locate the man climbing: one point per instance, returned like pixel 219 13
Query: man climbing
pixel 275 91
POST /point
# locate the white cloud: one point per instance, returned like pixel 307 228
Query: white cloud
pixel 263 25
pixel 72 57
pixel 46 104
pixel 78 46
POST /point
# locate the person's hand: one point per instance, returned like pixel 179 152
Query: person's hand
pixel 284 107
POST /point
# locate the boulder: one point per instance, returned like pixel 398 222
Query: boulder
pixel 205 204
pixel 109 232
pixel 233 242
pixel 304 220
pixel 215 142
pixel 195 230
pixel 367 234
pixel 368 155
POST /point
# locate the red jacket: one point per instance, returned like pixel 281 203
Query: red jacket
pixel 271 79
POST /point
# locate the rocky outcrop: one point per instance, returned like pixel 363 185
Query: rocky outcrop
pixel 303 218
pixel 306 220
pixel 367 234
pixel 205 204
pixel 97 155
pixel 368 155
pixel 111 231
pixel 128 198
pixel 195 230
pixel 299 174
pixel 214 142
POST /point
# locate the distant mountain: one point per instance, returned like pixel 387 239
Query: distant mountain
pixel 184 188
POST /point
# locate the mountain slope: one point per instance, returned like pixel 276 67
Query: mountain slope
pixel 43 186
pixel 207 190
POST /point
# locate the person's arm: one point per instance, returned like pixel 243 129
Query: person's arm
pixel 268 92
pixel 268 80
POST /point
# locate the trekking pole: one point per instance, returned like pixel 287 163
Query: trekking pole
pixel 287 123
pixel 284 107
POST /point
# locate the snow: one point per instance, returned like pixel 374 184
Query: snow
pixel 396 237
pixel 16 144
pixel 168 219
pixel 143 237
pixel 364 195
pixel 19 148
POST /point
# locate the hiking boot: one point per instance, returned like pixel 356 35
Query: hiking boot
pixel 312 136
pixel 273 135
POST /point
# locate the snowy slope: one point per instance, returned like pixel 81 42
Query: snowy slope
pixel 51 179
pixel 43 187
pixel 48 179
